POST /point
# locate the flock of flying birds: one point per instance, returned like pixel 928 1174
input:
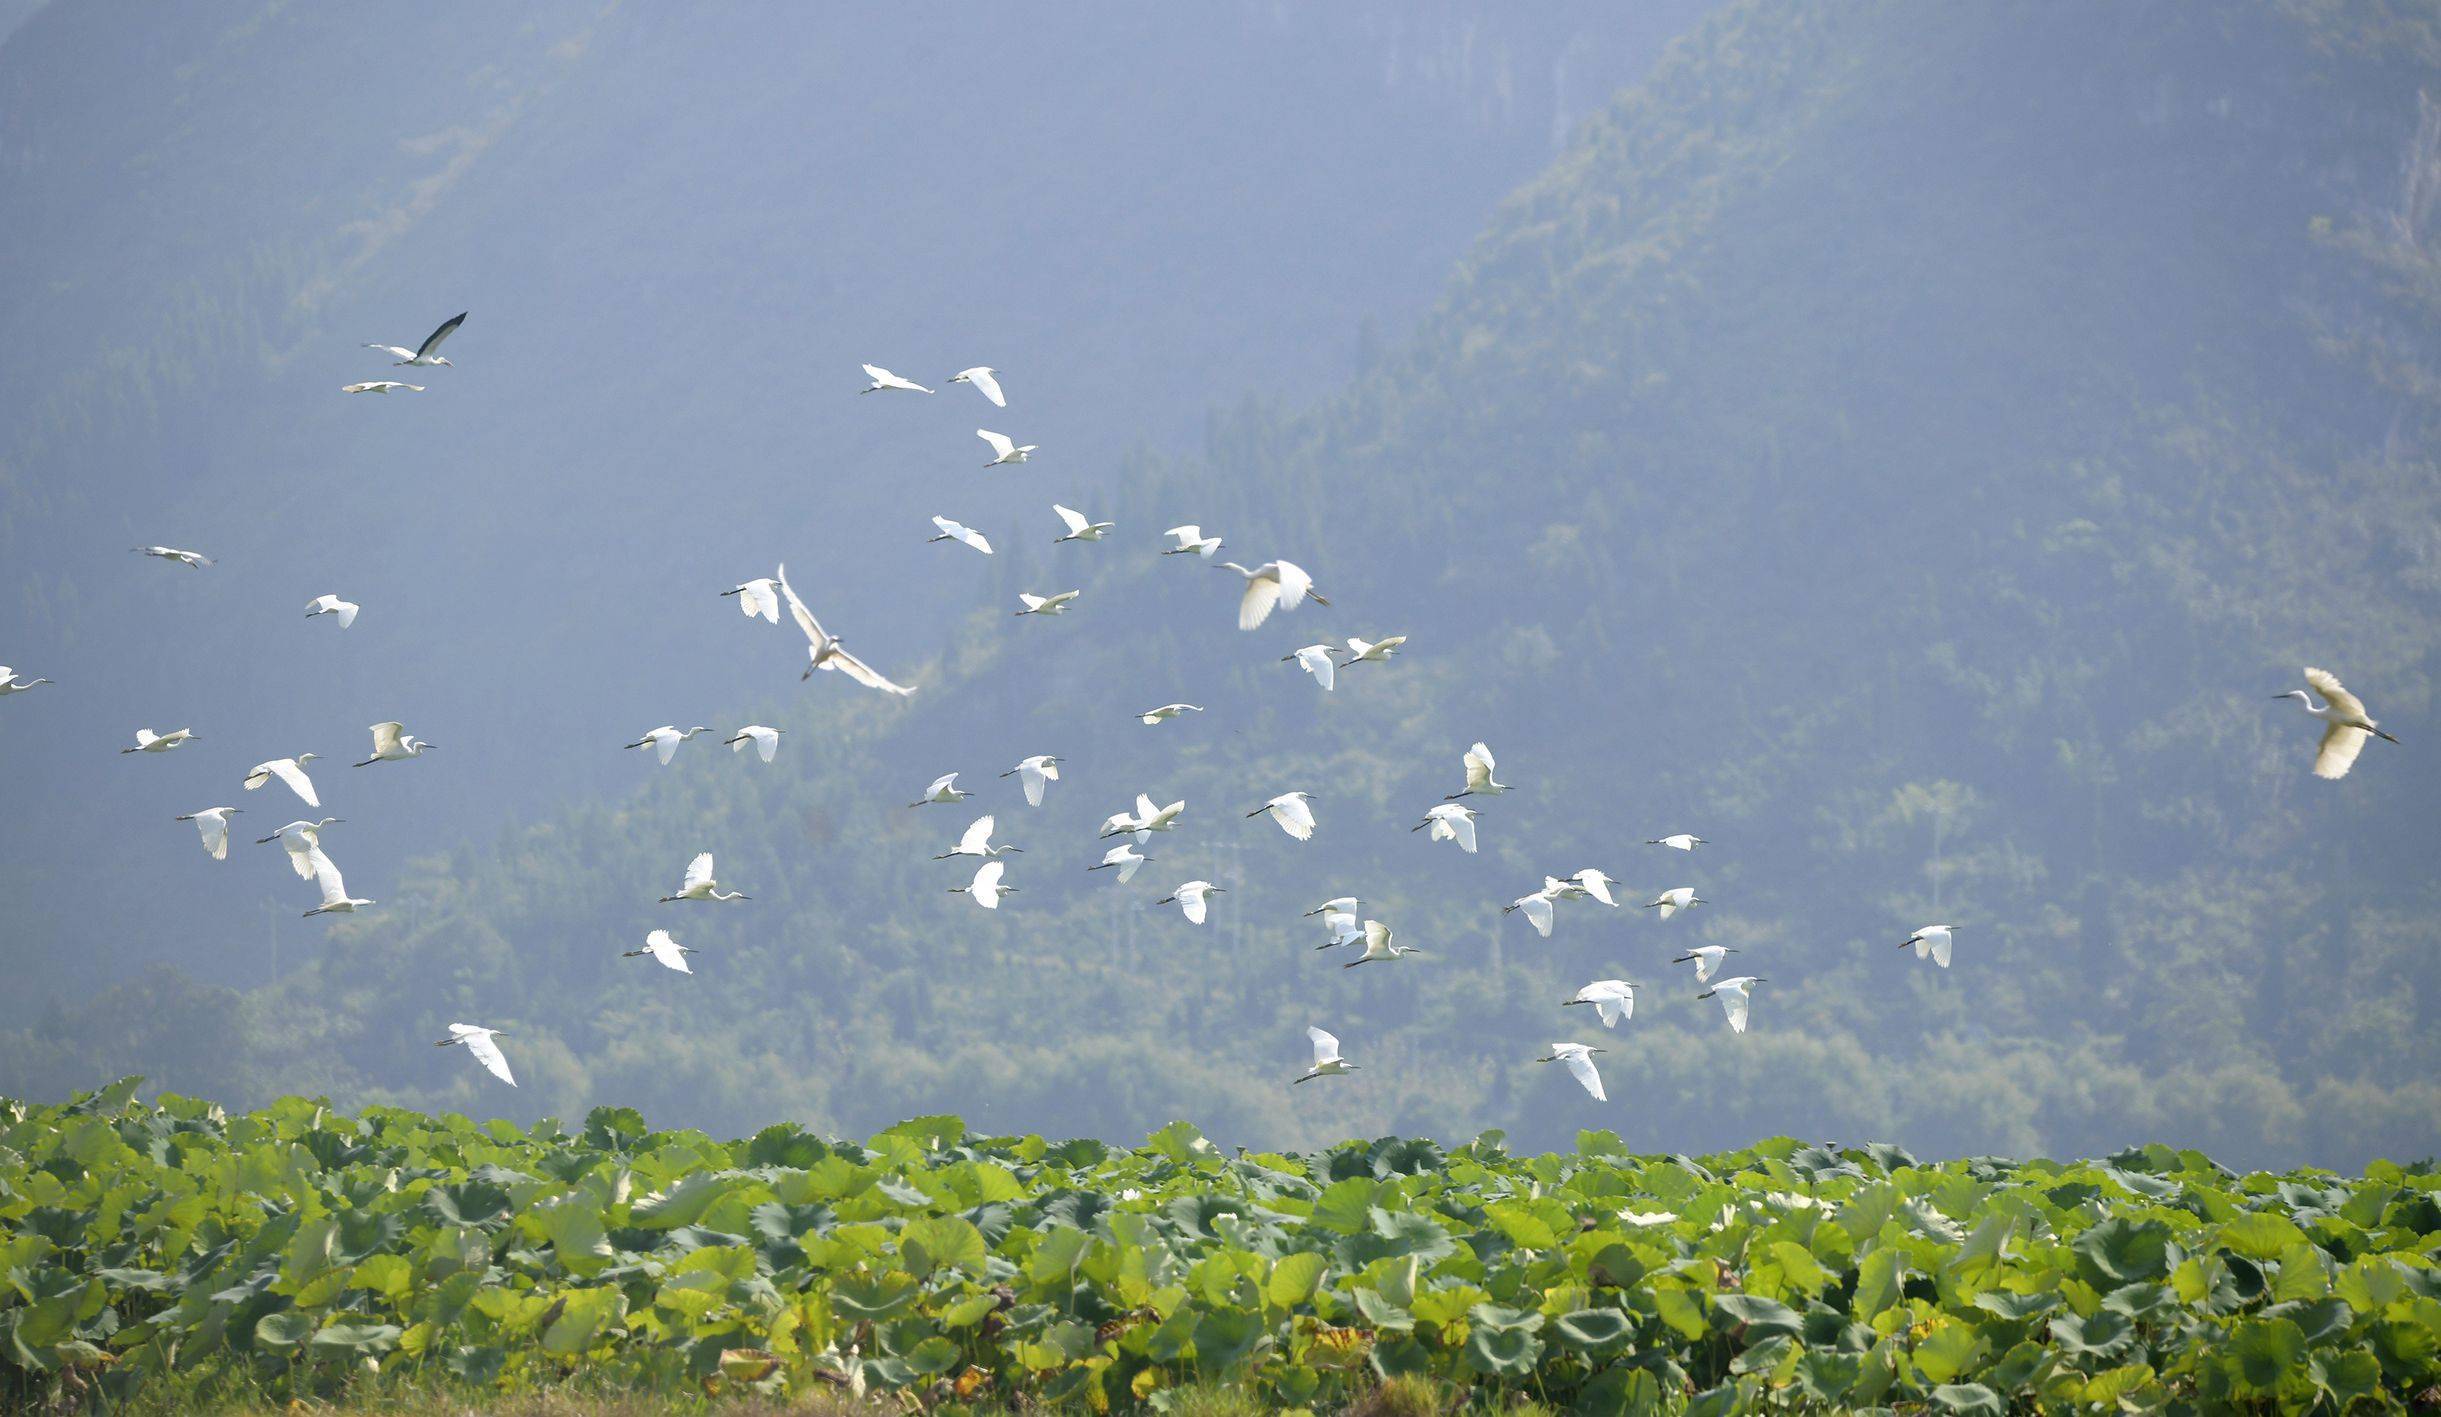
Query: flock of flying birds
pixel 1266 588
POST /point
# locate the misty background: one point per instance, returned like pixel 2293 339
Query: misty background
pixel 1905 444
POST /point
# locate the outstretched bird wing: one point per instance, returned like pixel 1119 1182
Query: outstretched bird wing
pixel 1581 1063
pixel 385 737
pixel 699 870
pixel 988 386
pixel 433 341
pixel 1326 1047
pixel 2335 693
pixel 326 877
pixel 2340 745
pixel 489 1055
pixel 1002 443
pixel 286 770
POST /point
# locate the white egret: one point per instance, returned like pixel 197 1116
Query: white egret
pixel 1035 773
pixel 1932 942
pixel 1316 660
pixel 1166 712
pixel 944 789
pixel 148 741
pixel 760 596
pixel 981 378
pixel 1047 604
pixel 1125 857
pixel 1193 899
pixel 1294 811
pixel 1343 928
pixel 426 354
pixel 1342 904
pixel 883 379
pixel 212 824
pixel 700 885
pixel 392 743
pixel 1079 529
pixel 763 739
pixel 479 1043
pixel 1579 1059
pixel 977 842
pixel 1191 542
pixel 1150 818
pixel 985 889
pixel 1371 651
pixel 1734 994
pixel 188 559
pixel 335 897
pixel 11 684
pixel 1612 1000
pixel 664 740
pixel 1281 585
pixel 668 952
pixel 1674 900
pixel 1682 841
pixel 1479 769
pixel 1327 1062
pixel 1537 907
pixel 333 605
pixel 1379 946
pixel 302 839
pixel 825 650
pixel 1590 882
pixel 961 533
pixel 2348 724
pixel 1004 448
pixel 288 770
pixel 1707 959
pixel 381 386
pixel 1451 821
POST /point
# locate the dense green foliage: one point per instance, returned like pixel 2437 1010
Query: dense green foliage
pixel 303 1248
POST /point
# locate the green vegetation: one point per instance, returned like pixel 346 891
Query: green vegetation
pixel 177 1254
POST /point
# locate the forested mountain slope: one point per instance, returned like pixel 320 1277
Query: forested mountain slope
pixel 1905 443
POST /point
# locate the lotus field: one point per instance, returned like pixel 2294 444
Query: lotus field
pixel 161 1254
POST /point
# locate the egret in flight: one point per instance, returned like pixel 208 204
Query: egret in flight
pixel 392 743
pixel 985 889
pixel 1733 995
pixel 1166 712
pixel 1683 841
pixel 827 651
pixel 188 559
pixel 1371 651
pixel 2347 723
pixel 664 740
pixel 1281 585
pixel 1674 900
pixel 699 884
pixel 1316 660
pixel 11 684
pixel 981 378
pixel 1047 604
pixel 1004 448
pixel 668 952
pixel 764 740
pixel 1191 542
pixel 1342 928
pixel 1590 882
pixel 961 533
pixel 1193 899
pixel 1707 959
pixel 1932 942
pixel 1579 1059
pixel 1125 857
pixel 760 596
pixel 1294 811
pixel 428 353
pixel 1079 529
pixel 944 789
pixel 1379 946
pixel 148 741
pixel 479 1042
pixel 1327 1062
pixel 303 840
pixel 1451 821
pixel 212 823
pixel 978 842
pixel 883 380
pixel 1537 907
pixel 335 897
pixel 1034 774
pixel 288 770
pixel 1612 1000
pixel 1479 769
pixel 333 605
pixel 1150 818
pixel 381 386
